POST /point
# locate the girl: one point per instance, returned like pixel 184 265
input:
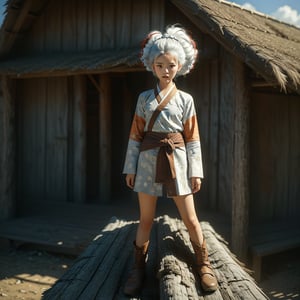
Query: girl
pixel 164 154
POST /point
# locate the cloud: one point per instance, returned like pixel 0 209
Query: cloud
pixel 287 14
pixel 248 6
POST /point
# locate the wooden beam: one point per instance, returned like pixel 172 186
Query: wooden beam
pixel 234 153
pixel 7 150
pixel 105 139
pixel 79 139
pixel 240 173
pixel 68 72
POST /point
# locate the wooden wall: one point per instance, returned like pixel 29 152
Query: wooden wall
pixel 51 136
pixel 75 25
pixel 275 156
pixel 51 115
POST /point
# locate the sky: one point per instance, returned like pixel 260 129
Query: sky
pixel 284 10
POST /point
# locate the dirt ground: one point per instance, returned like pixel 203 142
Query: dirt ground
pixel 26 273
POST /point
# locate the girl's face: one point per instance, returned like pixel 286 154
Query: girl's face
pixel 165 67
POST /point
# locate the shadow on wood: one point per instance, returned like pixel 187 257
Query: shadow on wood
pixel 101 270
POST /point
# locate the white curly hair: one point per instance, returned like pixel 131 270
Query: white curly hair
pixel 175 41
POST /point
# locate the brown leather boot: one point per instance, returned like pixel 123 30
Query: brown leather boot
pixel 209 282
pixel 137 274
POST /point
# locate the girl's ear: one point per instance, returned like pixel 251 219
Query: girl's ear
pixel 179 67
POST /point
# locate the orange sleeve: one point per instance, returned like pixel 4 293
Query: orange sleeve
pixel 137 128
pixel 191 130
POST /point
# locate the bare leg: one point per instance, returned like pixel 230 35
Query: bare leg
pixel 186 208
pixel 147 213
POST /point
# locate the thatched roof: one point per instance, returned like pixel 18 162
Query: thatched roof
pixel 70 63
pixel 268 46
pixel 271 48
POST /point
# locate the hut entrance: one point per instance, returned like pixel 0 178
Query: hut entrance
pixel 110 104
pixel 72 136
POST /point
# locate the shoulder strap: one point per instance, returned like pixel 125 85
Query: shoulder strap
pixel 160 106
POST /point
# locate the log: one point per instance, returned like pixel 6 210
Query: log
pixel 98 270
pixel 177 278
pixel 101 271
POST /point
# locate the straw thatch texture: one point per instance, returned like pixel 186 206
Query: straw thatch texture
pixel 70 62
pixel 271 47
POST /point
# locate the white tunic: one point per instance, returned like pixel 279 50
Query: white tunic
pixel 179 115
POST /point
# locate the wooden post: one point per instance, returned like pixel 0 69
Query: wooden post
pixel 234 152
pixel 7 150
pixel 241 179
pixel 105 139
pixel 79 140
pixel 240 167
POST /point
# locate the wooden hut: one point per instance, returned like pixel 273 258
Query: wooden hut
pixel 70 76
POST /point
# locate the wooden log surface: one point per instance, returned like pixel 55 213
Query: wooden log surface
pixel 101 271
pixel 178 279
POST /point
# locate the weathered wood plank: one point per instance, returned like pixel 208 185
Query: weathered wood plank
pixel 95 266
pixel 234 281
pixel 213 135
pixel 176 278
pixel 56 139
pixel 79 140
pixel 31 140
pixel 226 132
pixel 105 139
pixel 100 272
pixel 7 149
pixel 241 156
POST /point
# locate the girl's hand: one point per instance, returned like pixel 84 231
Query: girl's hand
pixel 130 178
pixel 196 184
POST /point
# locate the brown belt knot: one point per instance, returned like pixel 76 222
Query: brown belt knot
pixel 167 142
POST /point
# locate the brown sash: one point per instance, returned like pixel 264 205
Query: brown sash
pixel 160 106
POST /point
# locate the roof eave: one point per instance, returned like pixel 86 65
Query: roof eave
pixel 271 72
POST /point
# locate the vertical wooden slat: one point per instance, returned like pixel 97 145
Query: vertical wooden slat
pixel 240 176
pixel 105 139
pixel 140 21
pixel 57 139
pixel 234 153
pixel 7 149
pixel 31 96
pixel 213 135
pixel 261 204
pixel 202 100
pixel 82 25
pixel 157 18
pixel 79 140
pixel 52 30
pixel 122 35
pixel 69 28
pixel 226 132
pixel 109 23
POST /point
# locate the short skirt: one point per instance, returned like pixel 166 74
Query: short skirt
pixel 146 172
